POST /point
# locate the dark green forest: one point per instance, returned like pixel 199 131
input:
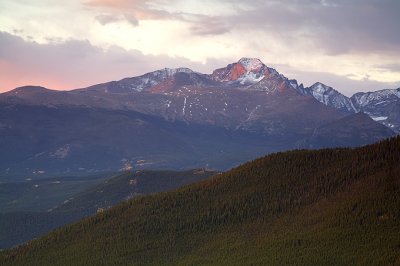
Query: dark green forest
pixel 324 207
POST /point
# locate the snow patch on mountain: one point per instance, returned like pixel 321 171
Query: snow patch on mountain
pixel 250 78
pixel 379 118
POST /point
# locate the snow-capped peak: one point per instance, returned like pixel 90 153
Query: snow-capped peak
pixel 251 64
pixel 148 80
pixel 245 72
pixel 330 97
pixel 321 87
pixel 168 72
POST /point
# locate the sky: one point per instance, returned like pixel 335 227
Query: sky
pixel 351 45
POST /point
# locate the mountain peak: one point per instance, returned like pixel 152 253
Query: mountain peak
pixel 172 71
pixel 321 86
pixel 330 97
pixel 246 71
pixel 251 64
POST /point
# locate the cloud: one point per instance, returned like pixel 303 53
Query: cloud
pixel 111 3
pixel 134 11
pixel 131 9
pixel 332 27
pixel 344 84
pixel 105 19
pixel 389 67
pixel 209 26
pixel 75 63
pixel 335 27
pixel 131 19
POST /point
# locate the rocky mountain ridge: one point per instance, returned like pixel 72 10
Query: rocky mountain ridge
pixel 382 106
pixel 170 91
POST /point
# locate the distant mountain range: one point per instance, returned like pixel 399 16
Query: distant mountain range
pixel 179 118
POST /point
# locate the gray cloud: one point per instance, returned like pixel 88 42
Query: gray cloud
pixel 336 27
pixel 131 19
pixel 209 26
pixel 105 19
pixel 134 11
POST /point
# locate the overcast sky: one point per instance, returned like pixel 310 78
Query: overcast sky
pixel 351 45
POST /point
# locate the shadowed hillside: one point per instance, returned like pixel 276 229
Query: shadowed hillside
pixel 130 185
pixel 33 208
pixel 326 207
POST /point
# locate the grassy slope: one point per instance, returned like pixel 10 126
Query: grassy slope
pixel 327 207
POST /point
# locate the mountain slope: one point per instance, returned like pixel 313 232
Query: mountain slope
pixel 341 211
pixel 39 141
pixel 357 129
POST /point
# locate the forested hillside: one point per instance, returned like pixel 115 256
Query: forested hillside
pixel 325 207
